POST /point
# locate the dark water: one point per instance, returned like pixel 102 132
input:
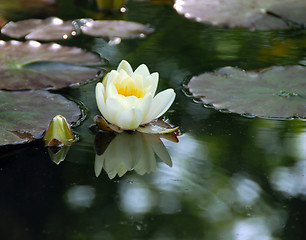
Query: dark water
pixel 231 177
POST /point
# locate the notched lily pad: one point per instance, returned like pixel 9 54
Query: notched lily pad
pixel 32 65
pixel 54 28
pixel 254 14
pixel 24 116
pixel 276 92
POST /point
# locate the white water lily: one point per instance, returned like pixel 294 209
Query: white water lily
pixel 126 98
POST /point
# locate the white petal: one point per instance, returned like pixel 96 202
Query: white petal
pixel 145 105
pixel 130 119
pixel 128 102
pixel 122 75
pixel 99 160
pixel 141 70
pixel 160 104
pixel 111 90
pixel 114 108
pixel 138 79
pixel 154 82
pixel 110 77
pixel 147 161
pixel 126 67
pixel 100 98
pixel 121 170
pixel 160 149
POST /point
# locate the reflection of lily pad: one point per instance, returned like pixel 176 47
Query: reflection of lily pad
pixel 277 92
pixel 48 29
pixel 62 69
pixel 25 115
pixel 8 7
pixel 258 14
pixel 54 28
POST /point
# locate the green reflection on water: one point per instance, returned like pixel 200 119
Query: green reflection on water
pixel 232 177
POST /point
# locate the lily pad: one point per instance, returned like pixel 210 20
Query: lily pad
pixel 32 65
pixel 157 127
pixel 52 28
pixel 276 92
pixel 254 14
pixel 112 29
pixel 24 116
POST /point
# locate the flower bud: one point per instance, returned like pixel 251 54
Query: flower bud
pixel 59 133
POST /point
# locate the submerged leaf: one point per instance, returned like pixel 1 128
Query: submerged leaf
pixel 277 92
pixel 24 116
pixel 32 65
pixel 255 14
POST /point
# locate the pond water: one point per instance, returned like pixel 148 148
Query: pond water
pixel 230 177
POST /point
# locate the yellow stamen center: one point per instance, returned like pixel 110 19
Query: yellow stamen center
pixel 127 88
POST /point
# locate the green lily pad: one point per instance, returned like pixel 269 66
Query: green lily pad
pixel 276 92
pixel 24 116
pixel 52 28
pixel 254 14
pixel 157 127
pixel 32 65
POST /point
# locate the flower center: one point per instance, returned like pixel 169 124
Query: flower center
pixel 127 88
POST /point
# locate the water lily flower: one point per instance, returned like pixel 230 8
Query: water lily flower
pixel 127 152
pixel 126 98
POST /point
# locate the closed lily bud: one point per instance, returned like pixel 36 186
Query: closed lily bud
pixel 59 133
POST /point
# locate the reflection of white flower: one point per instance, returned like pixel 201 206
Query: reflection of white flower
pixel 126 98
pixel 132 152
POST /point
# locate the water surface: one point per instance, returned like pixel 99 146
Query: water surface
pixel 231 177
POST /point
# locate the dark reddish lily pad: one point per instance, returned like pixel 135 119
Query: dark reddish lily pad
pixel 52 28
pixel 32 65
pixel 113 28
pixel 254 14
pixel 277 92
pixel 24 116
